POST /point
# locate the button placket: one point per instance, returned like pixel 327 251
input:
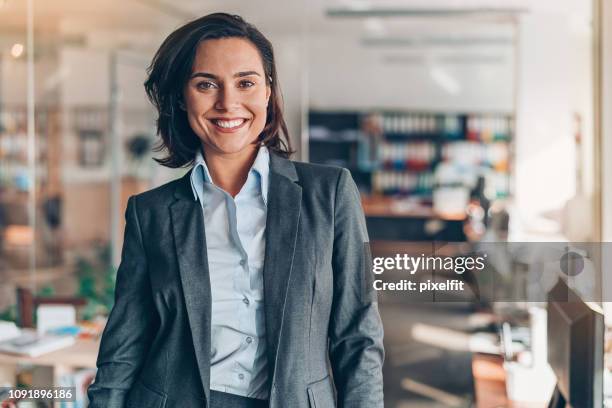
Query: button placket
pixel 244 233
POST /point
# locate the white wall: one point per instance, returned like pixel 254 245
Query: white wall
pixel 344 74
pixel 87 73
pixel 554 82
pixel 290 64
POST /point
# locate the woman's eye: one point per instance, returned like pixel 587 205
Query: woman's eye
pixel 205 85
pixel 246 84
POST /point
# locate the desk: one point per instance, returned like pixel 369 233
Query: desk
pixel 82 354
pixel 490 384
pixel 378 206
pixel 400 220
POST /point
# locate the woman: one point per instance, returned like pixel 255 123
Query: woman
pixel 246 283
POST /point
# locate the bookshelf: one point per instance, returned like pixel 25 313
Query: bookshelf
pixel 417 165
pixel 14 172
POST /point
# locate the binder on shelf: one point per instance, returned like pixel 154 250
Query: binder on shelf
pixel 398 152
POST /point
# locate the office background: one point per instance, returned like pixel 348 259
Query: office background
pixel 462 121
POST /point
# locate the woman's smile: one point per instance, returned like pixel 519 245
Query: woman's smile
pixel 228 125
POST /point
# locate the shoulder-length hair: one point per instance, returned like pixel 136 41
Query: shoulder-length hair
pixel 170 70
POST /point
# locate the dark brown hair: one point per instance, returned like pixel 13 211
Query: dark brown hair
pixel 170 69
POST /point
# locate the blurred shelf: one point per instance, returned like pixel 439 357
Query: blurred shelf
pixel 435 136
pixel 380 206
pixel 398 152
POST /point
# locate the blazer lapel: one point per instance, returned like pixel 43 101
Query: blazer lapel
pixel 284 202
pixel 190 241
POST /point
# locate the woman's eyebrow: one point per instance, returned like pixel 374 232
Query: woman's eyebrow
pixel 212 76
pixel 245 73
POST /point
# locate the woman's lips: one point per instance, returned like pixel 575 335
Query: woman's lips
pixel 226 129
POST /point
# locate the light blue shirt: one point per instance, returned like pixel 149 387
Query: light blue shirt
pixel 235 243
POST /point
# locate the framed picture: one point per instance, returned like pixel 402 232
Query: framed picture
pixel 91 148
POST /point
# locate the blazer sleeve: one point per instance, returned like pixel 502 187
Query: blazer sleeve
pixel 356 331
pixel 131 324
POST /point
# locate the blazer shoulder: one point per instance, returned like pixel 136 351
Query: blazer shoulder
pixel 318 173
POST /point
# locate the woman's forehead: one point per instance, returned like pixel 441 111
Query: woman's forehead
pixel 234 54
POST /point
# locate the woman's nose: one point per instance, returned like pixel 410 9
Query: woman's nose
pixel 227 98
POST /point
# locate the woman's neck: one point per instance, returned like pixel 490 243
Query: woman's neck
pixel 230 172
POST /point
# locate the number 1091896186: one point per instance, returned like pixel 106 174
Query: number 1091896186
pixel 10 395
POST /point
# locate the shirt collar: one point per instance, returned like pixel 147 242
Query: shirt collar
pixel 201 175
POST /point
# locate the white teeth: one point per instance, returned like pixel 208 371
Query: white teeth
pixel 229 123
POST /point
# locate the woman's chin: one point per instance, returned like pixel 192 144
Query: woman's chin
pixel 233 148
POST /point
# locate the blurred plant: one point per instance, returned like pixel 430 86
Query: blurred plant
pixel 96 282
pixel 9 314
pixel 46 291
pixel 138 146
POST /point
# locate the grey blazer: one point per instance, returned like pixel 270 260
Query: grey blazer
pixel 323 330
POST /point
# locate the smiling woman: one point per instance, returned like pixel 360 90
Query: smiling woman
pixel 226 99
pixel 222 65
pixel 219 303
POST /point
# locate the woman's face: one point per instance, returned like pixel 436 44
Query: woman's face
pixel 226 96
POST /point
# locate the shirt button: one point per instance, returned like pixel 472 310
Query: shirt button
pixel 249 339
pixel 242 262
pixel 241 376
pixel 245 301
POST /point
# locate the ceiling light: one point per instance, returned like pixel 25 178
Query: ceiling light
pixel 17 50
pixel 375 26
